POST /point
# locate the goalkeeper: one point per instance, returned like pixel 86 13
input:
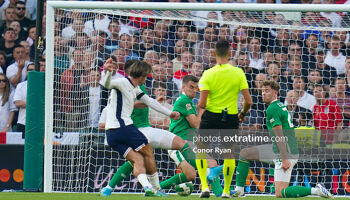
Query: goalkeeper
pixel 284 154
pixel 219 90
pixel 158 138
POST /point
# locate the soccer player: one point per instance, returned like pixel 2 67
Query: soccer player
pixel 121 134
pixel 219 90
pixel 283 151
pixel 189 120
pixel 157 138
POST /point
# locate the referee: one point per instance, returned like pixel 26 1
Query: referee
pixel 219 90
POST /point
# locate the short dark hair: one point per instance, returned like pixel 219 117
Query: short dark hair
pixel 273 84
pixel 222 47
pixel 140 69
pixel 9 29
pixel 128 64
pixel 189 78
pixel 158 84
pixel 20 2
pixel 17 46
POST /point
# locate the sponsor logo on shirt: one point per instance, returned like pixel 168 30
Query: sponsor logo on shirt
pixel 272 120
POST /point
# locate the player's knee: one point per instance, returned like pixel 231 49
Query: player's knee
pixel 137 159
pixel 191 175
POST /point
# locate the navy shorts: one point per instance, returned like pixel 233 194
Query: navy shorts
pixel 126 138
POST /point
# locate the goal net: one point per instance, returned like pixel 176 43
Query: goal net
pixel 305 52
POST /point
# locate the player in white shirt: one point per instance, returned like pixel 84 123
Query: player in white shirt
pixel 121 134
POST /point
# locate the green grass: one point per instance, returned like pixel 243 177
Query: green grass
pixel 94 196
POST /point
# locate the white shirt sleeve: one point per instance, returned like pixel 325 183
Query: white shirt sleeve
pixel 19 93
pixel 11 102
pixel 103 116
pixel 113 84
pixel 11 71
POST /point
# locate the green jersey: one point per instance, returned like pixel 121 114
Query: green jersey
pixel 185 107
pixel 277 114
pixel 140 116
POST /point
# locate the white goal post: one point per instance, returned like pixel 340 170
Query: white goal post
pixel 110 7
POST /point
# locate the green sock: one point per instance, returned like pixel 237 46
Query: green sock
pixel 175 180
pixel 187 152
pixel 123 172
pixel 242 171
pixel 216 187
pixel 295 192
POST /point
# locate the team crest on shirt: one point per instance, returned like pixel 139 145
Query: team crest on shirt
pixel 272 120
pixel 188 106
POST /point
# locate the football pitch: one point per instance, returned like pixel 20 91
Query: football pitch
pixel 94 196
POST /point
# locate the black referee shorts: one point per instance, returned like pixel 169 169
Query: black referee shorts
pixel 214 121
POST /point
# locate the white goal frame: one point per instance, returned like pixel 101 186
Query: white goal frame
pixel 51 5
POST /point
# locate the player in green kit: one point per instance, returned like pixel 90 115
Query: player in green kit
pixel 189 120
pixel 283 152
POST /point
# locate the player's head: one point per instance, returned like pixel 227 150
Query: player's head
pixel 270 91
pixel 128 64
pixel 190 86
pixel 139 71
pixel 222 48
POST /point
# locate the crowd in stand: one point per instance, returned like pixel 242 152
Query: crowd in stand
pixel 311 66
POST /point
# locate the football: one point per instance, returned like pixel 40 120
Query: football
pixel 184 189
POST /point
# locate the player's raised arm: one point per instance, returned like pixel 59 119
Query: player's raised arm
pixel 159 107
pixel 108 67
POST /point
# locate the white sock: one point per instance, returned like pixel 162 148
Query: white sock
pixel 109 187
pixel 154 180
pixel 239 188
pixel 315 191
pixel 142 178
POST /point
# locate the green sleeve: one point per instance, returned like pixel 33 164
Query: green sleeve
pixel 184 108
pixel 273 117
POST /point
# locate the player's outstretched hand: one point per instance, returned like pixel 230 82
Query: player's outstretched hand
pixel 108 65
pixel 175 115
pixel 285 164
pixel 241 117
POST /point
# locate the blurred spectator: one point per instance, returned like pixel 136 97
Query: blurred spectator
pixel 193 39
pixel 7 107
pixel 125 43
pixel 329 74
pixel 61 57
pixel 255 55
pixel 201 48
pixel 300 116
pixel 225 32
pixel 31 35
pixel 16 72
pixel 118 72
pixel 334 17
pixel 281 56
pixel 211 59
pixel 42 65
pixel 73 98
pixel 8 43
pixel 296 51
pixel 343 100
pixel 159 76
pixel 197 70
pixel 20 15
pixel 96 25
pixel 92 84
pixel 169 71
pixel 274 72
pixel 99 43
pixel 250 73
pixel 10 15
pixel 186 59
pixel 240 38
pixel 282 39
pixel 180 47
pixel 26 50
pixel 19 33
pixel 151 57
pixel 258 103
pixel 309 50
pixel 314 79
pixel 20 100
pixel 162 38
pixel 112 40
pixel 3 65
pixel 147 43
pixel 181 32
pixel 70 31
pixel 347 71
pixel 335 57
pixel 157 119
pixel 305 99
pixel 297 35
pixel 267 58
pixel 326 115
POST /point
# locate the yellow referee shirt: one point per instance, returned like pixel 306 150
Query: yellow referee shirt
pixel 224 82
